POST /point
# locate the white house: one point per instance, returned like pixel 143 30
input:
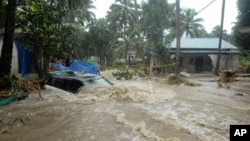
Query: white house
pixel 200 54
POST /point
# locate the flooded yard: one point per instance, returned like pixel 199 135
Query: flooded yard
pixel 131 110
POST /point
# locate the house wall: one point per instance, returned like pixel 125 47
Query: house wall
pixel 190 62
pixel 194 63
pixel 14 65
pixel 229 61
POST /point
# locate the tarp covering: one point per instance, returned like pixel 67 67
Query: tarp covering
pixel 12 98
pixel 24 57
pixel 79 66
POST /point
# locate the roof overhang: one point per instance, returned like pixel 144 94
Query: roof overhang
pixel 204 51
pixel 244 29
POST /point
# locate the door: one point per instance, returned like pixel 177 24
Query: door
pixel 199 61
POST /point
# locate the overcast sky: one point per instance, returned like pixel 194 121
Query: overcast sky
pixel 211 15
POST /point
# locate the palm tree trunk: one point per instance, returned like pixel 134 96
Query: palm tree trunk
pixel 138 30
pixel 126 45
pixel 7 48
pixel 177 56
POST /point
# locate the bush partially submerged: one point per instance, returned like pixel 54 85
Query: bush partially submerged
pixel 178 80
pixel 175 80
pixel 11 85
pixel 123 74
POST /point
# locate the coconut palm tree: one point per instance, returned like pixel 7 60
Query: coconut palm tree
pixel 216 31
pixel 138 32
pixel 190 26
pixel 122 15
pixel 122 12
pixel 155 20
pixel 78 11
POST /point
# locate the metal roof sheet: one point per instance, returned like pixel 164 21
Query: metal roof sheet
pixel 202 43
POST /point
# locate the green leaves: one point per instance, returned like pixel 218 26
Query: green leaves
pixel 43 26
pixel 123 74
pixel 35 6
pixel 242 40
pixel 191 26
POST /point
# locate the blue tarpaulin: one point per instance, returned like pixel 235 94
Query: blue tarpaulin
pixel 24 57
pixel 79 66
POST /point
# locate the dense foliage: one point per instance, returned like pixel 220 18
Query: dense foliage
pixel 61 27
pixel 242 40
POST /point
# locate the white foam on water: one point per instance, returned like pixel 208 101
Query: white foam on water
pixel 203 112
pixel 203 125
pixel 126 92
pixel 142 129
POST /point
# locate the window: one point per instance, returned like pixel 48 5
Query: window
pixel 73 85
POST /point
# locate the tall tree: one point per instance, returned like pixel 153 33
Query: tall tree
pixel 78 11
pixel 3 7
pixel 156 20
pixel 216 34
pixel 138 32
pixel 7 48
pixel 122 14
pixel 216 31
pixel 100 37
pixel 178 42
pixel 190 26
pixel 242 40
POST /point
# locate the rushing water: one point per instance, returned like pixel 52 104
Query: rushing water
pixel 134 110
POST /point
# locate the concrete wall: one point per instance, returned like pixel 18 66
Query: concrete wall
pixel 230 61
pixel 196 63
pixel 14 65
pixel 189 62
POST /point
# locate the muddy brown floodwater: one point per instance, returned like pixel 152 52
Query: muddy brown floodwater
pixel 131 110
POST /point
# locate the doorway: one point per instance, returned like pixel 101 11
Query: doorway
pixel 199 61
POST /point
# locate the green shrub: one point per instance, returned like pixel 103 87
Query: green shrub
pixel 118 63
pixel 123 74
pixel 245 63
pixel 91 60
pixel 175 80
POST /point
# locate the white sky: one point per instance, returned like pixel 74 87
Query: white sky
pixel 211 15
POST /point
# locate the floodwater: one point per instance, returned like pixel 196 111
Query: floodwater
pixel 132 110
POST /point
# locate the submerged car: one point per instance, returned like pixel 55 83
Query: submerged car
pixel 70 81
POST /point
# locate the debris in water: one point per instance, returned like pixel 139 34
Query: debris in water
pixel 239 94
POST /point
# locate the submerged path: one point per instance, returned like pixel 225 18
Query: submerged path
pixel 132 110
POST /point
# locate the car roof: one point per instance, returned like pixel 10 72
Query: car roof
pixel 76 75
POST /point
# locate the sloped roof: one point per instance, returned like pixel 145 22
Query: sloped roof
pixel 245 29
pixel 202 45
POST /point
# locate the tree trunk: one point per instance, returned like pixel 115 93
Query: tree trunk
pixel 38 58
pixel 138 30
pixel 177 56
pixel 7 48
pixel 1 3
pixel 71 18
